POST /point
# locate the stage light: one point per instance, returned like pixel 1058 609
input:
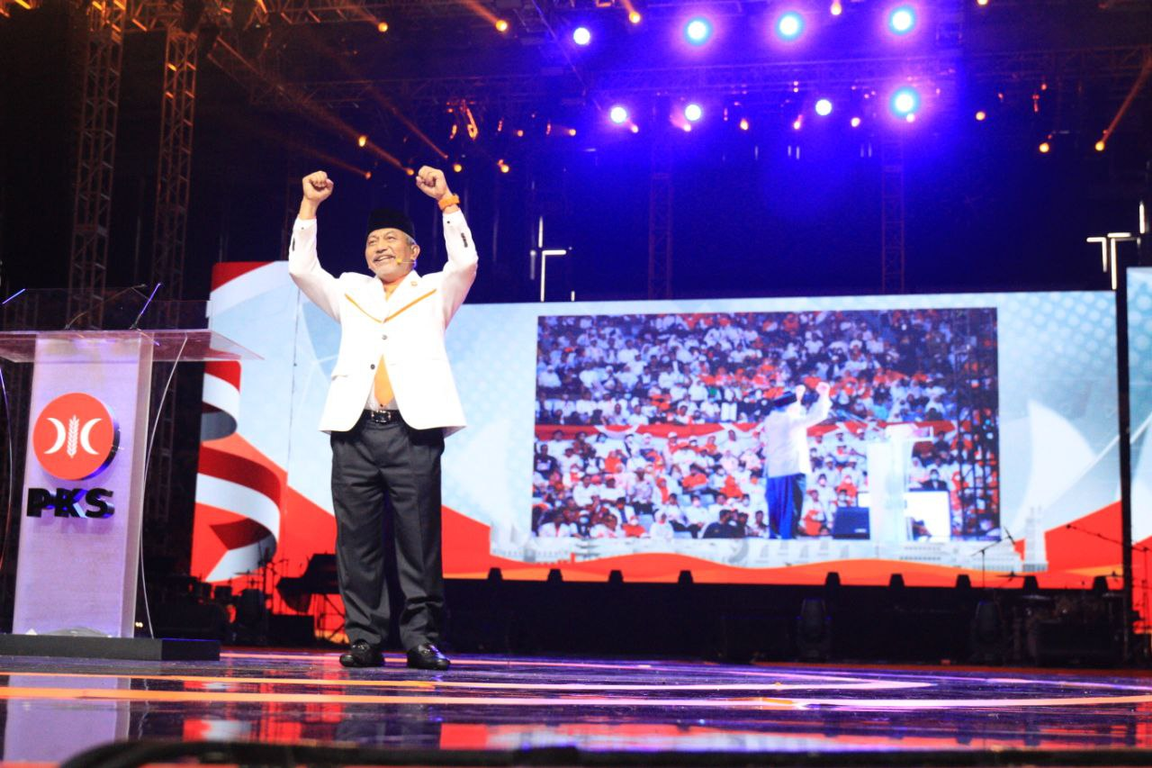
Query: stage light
pixel 836 8
pixel 698 30
pixel 382 27
pixel 790 25
pixel 367 174
pixel 571 131
pixel 362 141
pixel 1100 145
pixel 902 20
pixel 1045 147
pixel 854 122
pixel 744 125
pixel 581 36
pixel 693 112
pixel 823 107
pixel 504 167
pixel 501 25
pixel 905 101
pixel 618 115
pixel 410 171
pixel 635 17
pixel 981 3
pixel 981 115
pixel 457 167
pixel 798 123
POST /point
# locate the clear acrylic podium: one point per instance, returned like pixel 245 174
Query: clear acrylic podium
pixel 81 504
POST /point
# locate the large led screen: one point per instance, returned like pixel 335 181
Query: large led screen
pixel 930 436
pixel 1140 405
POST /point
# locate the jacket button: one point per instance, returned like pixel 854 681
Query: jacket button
pixel 373 366
pixel 384 337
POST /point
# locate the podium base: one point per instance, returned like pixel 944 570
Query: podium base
pixel 132 648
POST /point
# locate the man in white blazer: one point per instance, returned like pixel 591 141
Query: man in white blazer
pixel 391 402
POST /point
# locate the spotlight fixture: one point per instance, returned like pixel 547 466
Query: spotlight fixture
pixel 382 27
pixel 854 122
pixel 618 114
pixel 635 17
pixel 797 124
pixel 837 8
pixel 905 101
pixel 1045 147
pixel 501 25
pixel 581 36
pixel 693 112
pixel 902 20
pixel 744 124
pixel 981 115
pixel 1100 145
pixel 504 167
pixel 823 107
pixel 698 30
pixel 362 141
pixel 789 25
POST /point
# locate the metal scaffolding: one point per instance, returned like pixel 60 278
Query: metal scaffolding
pixel 660 235
pixel 96 154
pixel 892 213
pixel 174 176
pixel 173 186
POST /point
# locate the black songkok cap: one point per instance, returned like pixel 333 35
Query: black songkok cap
pixel 390 218
pixel 784 400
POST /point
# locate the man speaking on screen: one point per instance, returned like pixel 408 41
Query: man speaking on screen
pixel 786 457
pixel 391 402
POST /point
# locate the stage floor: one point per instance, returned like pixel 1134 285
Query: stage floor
pixel 599 711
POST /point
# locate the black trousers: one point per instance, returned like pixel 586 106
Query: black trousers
pixel 378 470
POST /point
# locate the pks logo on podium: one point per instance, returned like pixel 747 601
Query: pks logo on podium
pixel 74 438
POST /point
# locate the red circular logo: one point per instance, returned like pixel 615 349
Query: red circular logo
pixel 75 437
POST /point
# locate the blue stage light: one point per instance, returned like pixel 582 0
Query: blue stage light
pixel 823 107
pixel 693 112
pixel 790 25
pixel 905 101
pixel 902 20
pixel 618 115
pixel 581 36
pixel 698 30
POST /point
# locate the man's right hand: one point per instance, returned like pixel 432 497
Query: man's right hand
pixel 317 188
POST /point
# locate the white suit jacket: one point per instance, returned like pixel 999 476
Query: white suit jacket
pixel 407 329
pixel 786 438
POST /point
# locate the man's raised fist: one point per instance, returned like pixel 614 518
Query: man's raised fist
pixel 431 182
pixel 318 187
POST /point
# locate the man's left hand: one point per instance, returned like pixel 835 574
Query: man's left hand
pixel 823 388
pixel 431 182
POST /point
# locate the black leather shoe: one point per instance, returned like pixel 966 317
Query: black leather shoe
pixel 362 655
pixel 428 656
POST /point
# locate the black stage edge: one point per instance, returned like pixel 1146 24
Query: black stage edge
pixel 134 754
pixel 134 648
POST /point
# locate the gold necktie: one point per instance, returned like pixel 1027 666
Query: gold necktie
pixel 383 385
pixel 382 388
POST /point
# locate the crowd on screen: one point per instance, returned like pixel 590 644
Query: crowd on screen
pixel 713 377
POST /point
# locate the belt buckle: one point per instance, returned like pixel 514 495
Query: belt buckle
pixel 382 416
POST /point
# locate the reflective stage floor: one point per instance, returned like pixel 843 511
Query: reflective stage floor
pixel 564 711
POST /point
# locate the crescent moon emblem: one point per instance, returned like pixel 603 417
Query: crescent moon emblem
pixel 61 435
pixel 86 436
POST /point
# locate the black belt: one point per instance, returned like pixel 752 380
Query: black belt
pixel 381 417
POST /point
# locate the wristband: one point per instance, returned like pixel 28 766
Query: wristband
pixel 448 200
